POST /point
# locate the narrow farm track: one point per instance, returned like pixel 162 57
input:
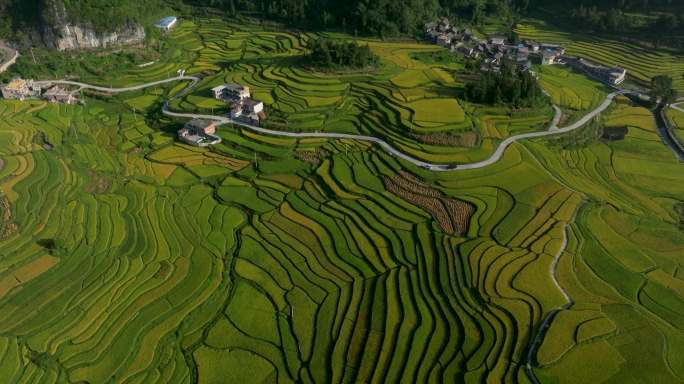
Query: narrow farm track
pixel 495 157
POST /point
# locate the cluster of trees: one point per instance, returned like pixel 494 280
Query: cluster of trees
pixel 335 54
pixel 661 89
pixel 510 85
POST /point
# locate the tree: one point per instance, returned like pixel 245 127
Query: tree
pixel 661 88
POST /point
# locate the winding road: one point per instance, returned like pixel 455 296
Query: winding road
pixel 496 156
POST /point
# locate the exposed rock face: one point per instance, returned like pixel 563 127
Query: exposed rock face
pixel 59 33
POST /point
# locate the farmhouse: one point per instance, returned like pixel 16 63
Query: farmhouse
pixel 57 94
pixel 612 76
pixel 443 40
pixel 20 89
pixel 167 23
pixel 248 110
pixel 548 57
pixel 231 92
pixel 200 133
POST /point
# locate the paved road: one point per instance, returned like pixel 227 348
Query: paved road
pixel 45 83
pixel 677 106
pixel 496 156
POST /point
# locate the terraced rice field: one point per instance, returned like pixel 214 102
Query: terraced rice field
pixel 625 256
pixel 641 63
pixel 573 92
pixel 136 259
pixel 169 263
pixel 676 120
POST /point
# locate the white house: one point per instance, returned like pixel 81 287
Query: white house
pixel 167 23
pixel 253 106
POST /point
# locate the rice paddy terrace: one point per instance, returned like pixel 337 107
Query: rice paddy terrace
pixel 641 63
pixel 128 257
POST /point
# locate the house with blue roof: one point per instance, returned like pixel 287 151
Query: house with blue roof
pixel 167 23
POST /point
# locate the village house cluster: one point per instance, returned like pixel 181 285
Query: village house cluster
pixel 242 107
pixel 494 50
pixel 20 89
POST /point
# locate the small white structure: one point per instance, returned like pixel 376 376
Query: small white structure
pixel 167 23
pixel 617 75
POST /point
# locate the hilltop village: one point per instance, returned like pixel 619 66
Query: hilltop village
pixel 495 49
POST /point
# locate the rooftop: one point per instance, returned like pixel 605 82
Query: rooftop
pixel 233 86
pixel 56 91
pixel 166 22
pixel 251 102
pixel 16 84
pixel 199 123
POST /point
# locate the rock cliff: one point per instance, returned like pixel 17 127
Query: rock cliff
pixel 60 33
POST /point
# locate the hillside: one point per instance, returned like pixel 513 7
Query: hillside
pixel 657 22
pixel 69 24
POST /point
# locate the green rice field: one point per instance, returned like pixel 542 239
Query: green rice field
pixel 128 257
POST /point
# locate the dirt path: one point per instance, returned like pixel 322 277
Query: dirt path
pixel 8 56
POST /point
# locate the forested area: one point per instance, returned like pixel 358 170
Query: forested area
pixel 660 21
pixel 371 17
